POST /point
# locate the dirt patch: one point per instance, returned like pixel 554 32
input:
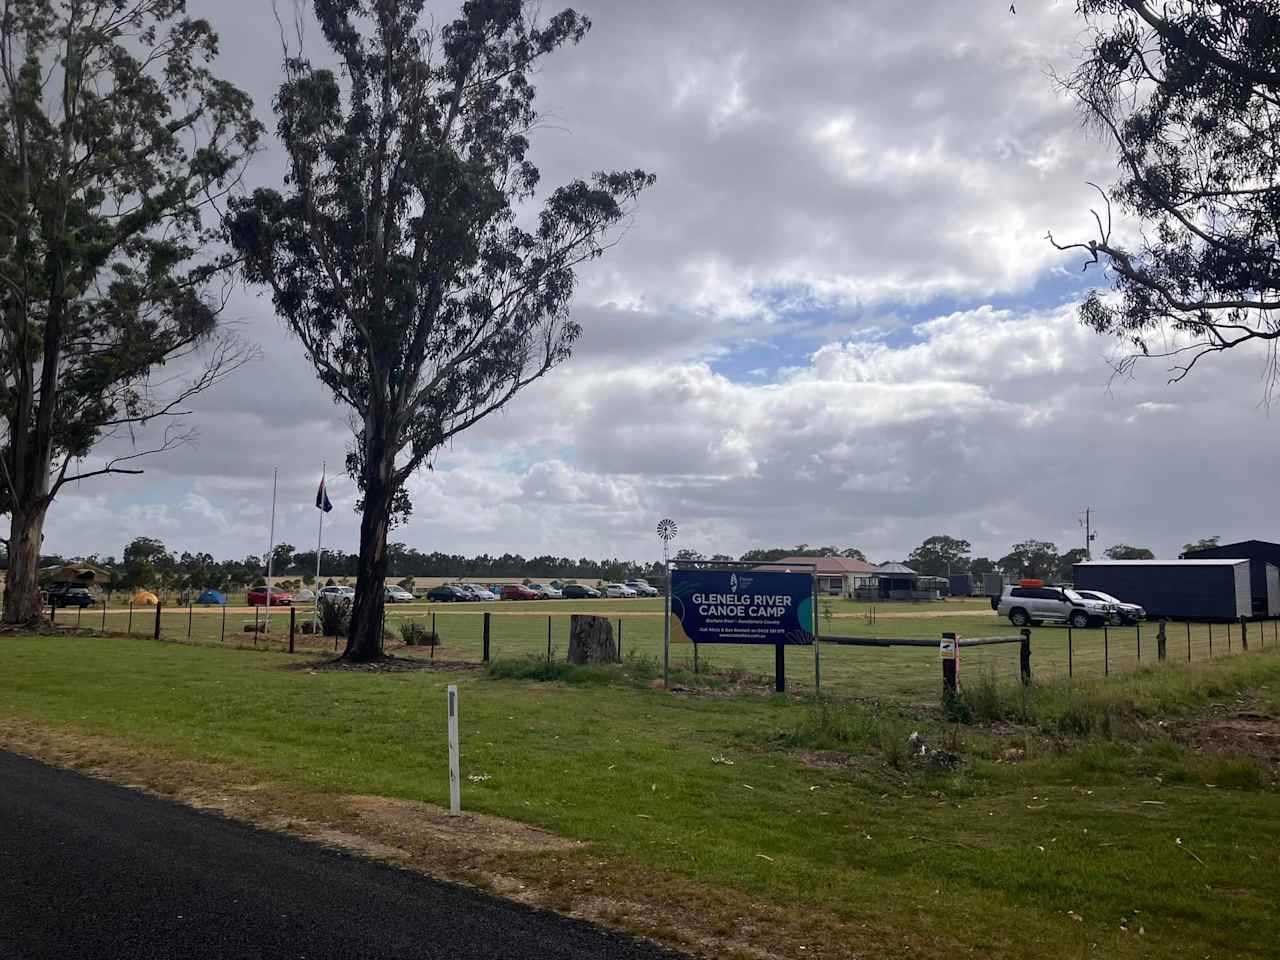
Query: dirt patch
pixel 1243 734
pixel 418 822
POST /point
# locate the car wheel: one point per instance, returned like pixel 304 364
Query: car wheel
pixel 1078 619
pixel 1018 617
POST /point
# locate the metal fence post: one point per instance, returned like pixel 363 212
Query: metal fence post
pixel 158 606
pixel 779 667
pixel 1024 656
pixel 293 622
pixel 486 633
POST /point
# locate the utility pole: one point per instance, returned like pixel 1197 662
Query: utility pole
pixel 1089 535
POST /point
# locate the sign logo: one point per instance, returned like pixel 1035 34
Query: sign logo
pixel 733 583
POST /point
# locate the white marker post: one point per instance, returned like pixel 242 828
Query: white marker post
pixel 455 786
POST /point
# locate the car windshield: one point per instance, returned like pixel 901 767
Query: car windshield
pixel 1072 595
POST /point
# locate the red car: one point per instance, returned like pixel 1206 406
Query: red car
pixel 279 598
pixel 518 591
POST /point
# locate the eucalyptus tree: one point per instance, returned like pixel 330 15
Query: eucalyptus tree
pixel 116 139
pixel 1188 94
pixel 406 250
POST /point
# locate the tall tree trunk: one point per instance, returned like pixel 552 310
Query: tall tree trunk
pixel 364 638
pixel 22 584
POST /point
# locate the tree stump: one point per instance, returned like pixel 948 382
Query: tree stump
pixel 591 640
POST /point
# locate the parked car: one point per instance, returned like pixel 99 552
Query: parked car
pixel 579 591
pixel 1126 613
pixel 448 593
pixel 304 596
pixel 518 591
pixel 642 588
pixel 336 593
pixel 397 594
pixel 545 591
pixel 68 595
pixel 279 598
pixel 478 592
pixel 618 590
pixel 1032 606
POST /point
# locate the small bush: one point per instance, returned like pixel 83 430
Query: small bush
pixel 335 617
pixel 415 634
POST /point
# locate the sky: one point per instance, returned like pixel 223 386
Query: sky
pixel 834 320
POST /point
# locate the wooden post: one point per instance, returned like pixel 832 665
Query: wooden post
pixel 222 637
pixel 1244 634
pixel 1162 649
pixel 1070 654
pixel 79 610
pixel 1024 656
pixel 1106 650
pixel 619 639
pixel 158 606
pixel 129 628
pixel 949 680
pixel 293 623
pixel 1137 629
pixel 1210 639
pixel 188 616
pixel 780 667
pixel 104 614
pixel 486 633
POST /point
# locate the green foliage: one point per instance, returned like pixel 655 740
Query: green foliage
pixel 335 617
pixel 770 554
pixel 1034 559
pixel 1186 93
pixel 1205 543
pixel 1123 551
pixel 416 634
pixel 939 556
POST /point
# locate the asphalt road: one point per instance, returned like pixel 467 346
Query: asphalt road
pixel 92 870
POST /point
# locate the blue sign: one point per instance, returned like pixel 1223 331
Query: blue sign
pixel 741 606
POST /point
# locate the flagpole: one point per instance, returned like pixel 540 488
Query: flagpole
pixel 271 547
pixel 315 610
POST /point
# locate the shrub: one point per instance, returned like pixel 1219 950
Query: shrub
pixel 415 634
pixel 335 617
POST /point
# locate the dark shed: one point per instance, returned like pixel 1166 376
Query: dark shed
pixel 1264 583
pixel 961 584
pixel 1178 589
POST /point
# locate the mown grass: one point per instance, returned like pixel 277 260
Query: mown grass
pixel 820 806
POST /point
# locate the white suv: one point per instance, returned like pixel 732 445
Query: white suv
pixel 1032 606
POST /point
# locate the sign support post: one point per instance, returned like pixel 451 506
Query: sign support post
pixel 455 786
pixel 817 644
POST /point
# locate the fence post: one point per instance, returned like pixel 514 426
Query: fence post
pixel 1244 634
pixel 129 628
pixel 486 633
pixel 293 622
pixel 949 683
pixel 188 616
pixel 620 640
pixel 222 636
pixel 79 610
pixel 1137 628
pixel 158 606
pixel 53 611
pixel 255 625
pixel 1070 654
pixel 1161 642
pixel 1210 639
pixel 779 667
pixel 1228 636
pixel 1024 656
pixel 695 658
pixel 104 614
pixel 1106 650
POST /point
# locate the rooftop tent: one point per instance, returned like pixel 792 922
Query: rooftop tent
pixel 146 598
pixel 75 573
pixel 212 596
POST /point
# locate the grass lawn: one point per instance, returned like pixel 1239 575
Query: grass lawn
pixel 1136 833
pixel 912 675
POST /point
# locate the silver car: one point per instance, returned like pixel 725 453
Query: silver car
pixel 1127 613
pixel 1032 606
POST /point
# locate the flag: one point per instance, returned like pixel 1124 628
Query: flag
pixel 322 498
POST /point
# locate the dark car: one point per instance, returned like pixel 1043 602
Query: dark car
pixel 69 595
pixel 579 591
pixel 518 591
pixel 448 593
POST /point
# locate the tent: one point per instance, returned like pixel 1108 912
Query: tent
pixel 212 596
pixel 146 598
pixel 82 573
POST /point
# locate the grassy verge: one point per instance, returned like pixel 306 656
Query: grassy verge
pixel 822 818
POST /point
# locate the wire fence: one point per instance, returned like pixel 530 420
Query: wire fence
pixel 911 672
